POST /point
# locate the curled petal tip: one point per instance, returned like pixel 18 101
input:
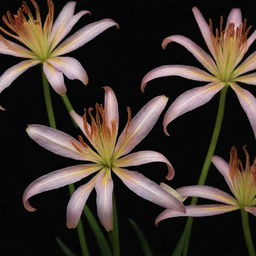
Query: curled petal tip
pixel 165 131
pixel 28 206
pixel 2 108
pixel 171 173
pixel 165 42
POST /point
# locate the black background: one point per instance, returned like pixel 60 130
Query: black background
pixel 119 59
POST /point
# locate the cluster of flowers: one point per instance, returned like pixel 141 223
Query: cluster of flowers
pixel 103 148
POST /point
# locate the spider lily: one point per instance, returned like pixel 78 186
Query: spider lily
pixel 107 154
pixel 241 181
pixel 41 43
pixel 224 66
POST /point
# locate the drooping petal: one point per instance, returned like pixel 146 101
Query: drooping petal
pixel 77 201
pixel 251 210
pixel 188 72
pixel 248 103
pixel 148 189
pixel 203 57
pixel 55 78
pixel 190 100
pixel 83 36
pixel 140 125
pixel 12 73
pixel 207 192
pixel 204 28
pixel 196 211
pixel 56 141
pixel 104 189
pixel 57 179
pixel 70 67
pixel 235 17
pixel 144 157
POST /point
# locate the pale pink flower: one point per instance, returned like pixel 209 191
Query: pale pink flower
pixel 227 46
pixel 241 181
pixel 107 153
pixel 42 43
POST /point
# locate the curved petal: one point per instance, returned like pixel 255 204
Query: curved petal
pixel 204 58
pixel 251 210
pixel 248 103
pixel 83 36
pixel 76 203
pixel 57 142
pixel 188 72
pixel 196 211
pixel 204 28
pixel 190 100
pixel 70 67
pixel 57 179
pixel 55 78
pixel 138 128
pixel 207 192
pixel 144 157
pixel 148 189
pixel 104 189
pixel 173 192
pixel 12 73
pixel 235 17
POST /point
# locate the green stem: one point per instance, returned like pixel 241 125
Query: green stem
pixel 183 244
pixel 52 122
pixel 247 233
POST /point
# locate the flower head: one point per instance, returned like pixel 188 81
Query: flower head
pixel 241 180
pixel 41 43
pixel 107 154
pixel 227 46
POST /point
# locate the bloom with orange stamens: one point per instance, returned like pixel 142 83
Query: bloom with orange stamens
pixel 42 43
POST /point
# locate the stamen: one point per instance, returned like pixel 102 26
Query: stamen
pixel 80 138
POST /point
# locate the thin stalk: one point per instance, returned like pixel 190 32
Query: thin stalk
pixel 52 122
pixel 183 244
pixel 247 233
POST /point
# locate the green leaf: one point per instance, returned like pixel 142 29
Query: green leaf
pixel 64 248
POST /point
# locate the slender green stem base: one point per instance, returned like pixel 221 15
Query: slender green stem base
pixel 247 233
pixel 183 244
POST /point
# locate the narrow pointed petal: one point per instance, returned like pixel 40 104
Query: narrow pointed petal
pixel 188 72
pixel 251 210
pixel 235 17
pixel 140 125
pixel 196 211
pixel 55 141
pixel 207 192
pixel 144 157
pixel 55 78
pixel 247 65
pixel 248 103
pixel 247 79
pixel 203 57
pixel 12 73
pixel 104 189
pixel 70 67
pixel 111 107
pixel 190 100
pixel 83 36
pixel 251 39
pixel 148 189
pixel 204 28
pixel 56 180
pixel 173 192
pixel 76 203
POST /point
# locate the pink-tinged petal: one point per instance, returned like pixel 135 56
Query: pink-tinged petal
pixel 188 72
pixel 207 192
pixel 148 189
pixel 76 203
pixel 55 78
pixel 83 36
pixel 235 17
pixel 251 39
pixel 111 107
pixel 56 180
pixel 204 28
pixel 104 189
pixel 12 73
pixel 247 65
pixel 251 210
pixel 55 141
pixel 140 125
pixel 144 157
pixel 248 103
pixel 196 211
pixel 247 79
pixel 173 192
pixel 203 57
pixel 190 100
pixel 70 67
